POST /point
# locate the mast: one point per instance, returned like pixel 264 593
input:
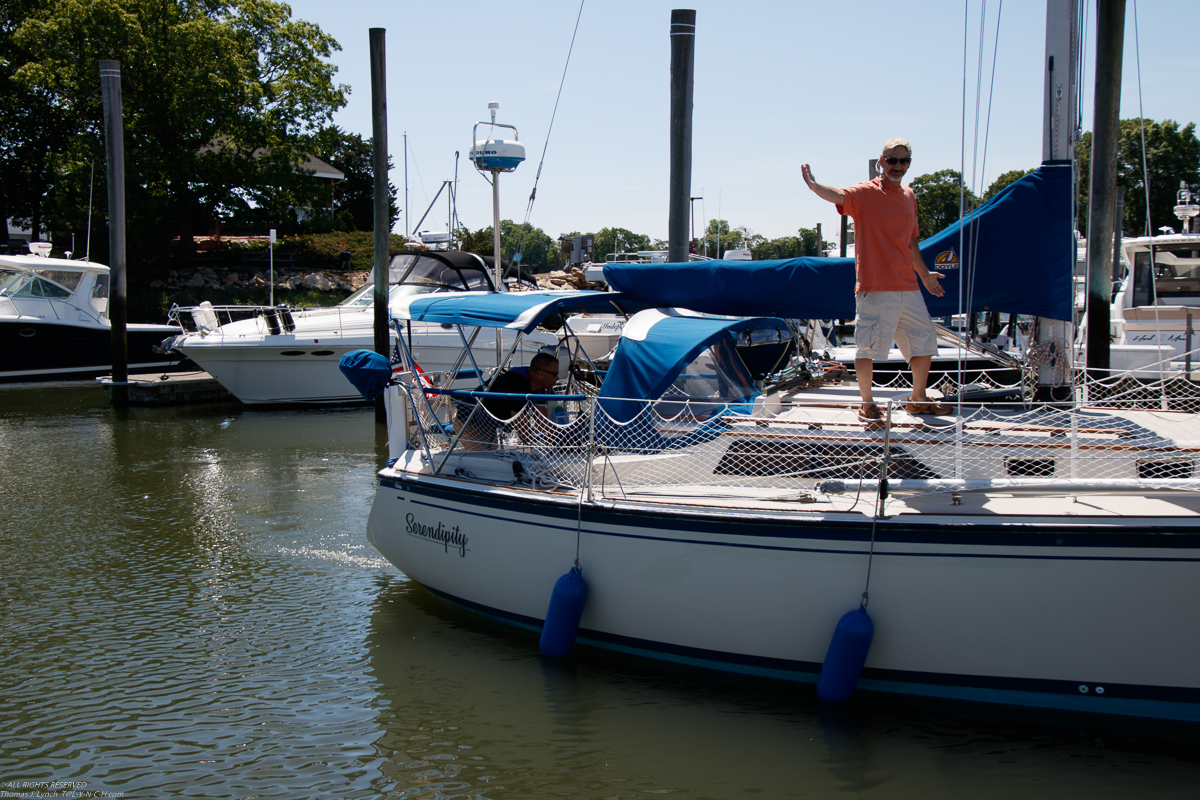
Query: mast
pixel 1059 134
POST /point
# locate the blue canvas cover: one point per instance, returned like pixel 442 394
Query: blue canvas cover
pixel 516 310
pixel 1019 246
pixel 368 371
pixel 650 356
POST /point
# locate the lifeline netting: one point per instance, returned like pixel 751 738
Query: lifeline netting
pixel 674 446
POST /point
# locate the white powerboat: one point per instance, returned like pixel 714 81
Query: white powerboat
pixel 1156 311
pixel 54 322
pixel 1038 556
pixel 268 355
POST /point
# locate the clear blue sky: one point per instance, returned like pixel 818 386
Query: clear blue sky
pixel 777 83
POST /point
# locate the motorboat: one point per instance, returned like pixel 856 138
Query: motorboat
pixel 1043 556
pixel 54 322
pixel 268 355
pixel 1156 309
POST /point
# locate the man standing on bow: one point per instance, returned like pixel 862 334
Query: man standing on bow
pixel 887 266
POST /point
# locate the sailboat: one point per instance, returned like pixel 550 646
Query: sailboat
pixel 1036 555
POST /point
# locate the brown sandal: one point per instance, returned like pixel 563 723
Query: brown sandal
pixel 919 408
pixel 869 412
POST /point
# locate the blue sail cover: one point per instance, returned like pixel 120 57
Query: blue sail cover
pixel 1019 247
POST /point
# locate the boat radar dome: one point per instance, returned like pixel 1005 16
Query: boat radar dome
pixel 496 155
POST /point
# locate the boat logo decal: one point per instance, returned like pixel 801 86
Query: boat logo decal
pixel 445 535
pixel 947 259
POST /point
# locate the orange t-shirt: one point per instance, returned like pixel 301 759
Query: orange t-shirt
pixel 885 223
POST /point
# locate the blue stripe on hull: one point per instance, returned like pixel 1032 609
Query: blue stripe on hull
pixel 975 531
pixel 1138 701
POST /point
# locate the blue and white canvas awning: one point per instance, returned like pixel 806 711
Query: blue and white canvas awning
pixel 521 311
pixel 655 346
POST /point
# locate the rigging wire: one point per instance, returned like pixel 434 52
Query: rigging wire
pixel 962 187
pixel 986 132
pixel 546 146
pixel 1079 349
pixel 1142 119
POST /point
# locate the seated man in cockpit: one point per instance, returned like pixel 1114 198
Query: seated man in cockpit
pixel 481 432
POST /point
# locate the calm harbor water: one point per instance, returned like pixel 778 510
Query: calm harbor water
pixel 189 608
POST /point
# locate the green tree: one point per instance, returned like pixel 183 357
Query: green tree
pixel 481 241
pixel 353 199
pixel 217 99
pixel 1172 155
pixel 1002 181
pixel 618 240
pixel 939 197
pixel 783 247
pixel 806 244
pixel 539 253
pixel 34 134
pixel 719 236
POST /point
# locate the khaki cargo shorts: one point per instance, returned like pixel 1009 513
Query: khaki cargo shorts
pixel 884 317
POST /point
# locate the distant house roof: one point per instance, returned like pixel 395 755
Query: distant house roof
pixel 320 169
pixel 312 164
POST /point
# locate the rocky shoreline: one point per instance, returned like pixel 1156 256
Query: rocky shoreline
pixel 220 279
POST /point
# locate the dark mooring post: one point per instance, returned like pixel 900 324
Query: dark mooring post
pixel 114 146
pixel 383 223
pixel 683 60
pixel 1102 192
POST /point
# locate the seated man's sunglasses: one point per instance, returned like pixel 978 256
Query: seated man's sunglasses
pixel 893 160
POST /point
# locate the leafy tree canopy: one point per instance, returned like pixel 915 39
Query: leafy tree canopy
pixel 1172 155
pixel 807 243
pixel 539 253
pixel 719 236
pixel 353 200
pixel 618 240
pixel 217 100
pixel 939 196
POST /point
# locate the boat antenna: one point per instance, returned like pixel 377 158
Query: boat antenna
pixel 406 218
pixel 453 223
pixel 87 253
pixel 533 194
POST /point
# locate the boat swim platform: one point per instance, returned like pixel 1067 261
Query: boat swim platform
pixel 170 388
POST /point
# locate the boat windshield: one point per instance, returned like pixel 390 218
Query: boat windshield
pixel 23 284
pixel 10 279
pixel 69 279
pixel 411 274
pixel 1175 274
pixel 715 377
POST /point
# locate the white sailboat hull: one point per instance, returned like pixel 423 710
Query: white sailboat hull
pixel 1044 611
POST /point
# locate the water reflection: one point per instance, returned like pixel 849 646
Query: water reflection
pixel 188 606
pixel 468 707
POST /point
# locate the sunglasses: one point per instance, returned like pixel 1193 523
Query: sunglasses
pixel 893 160
pixel 548 372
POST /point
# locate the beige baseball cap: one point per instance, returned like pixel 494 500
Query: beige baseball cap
pixel 896 141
